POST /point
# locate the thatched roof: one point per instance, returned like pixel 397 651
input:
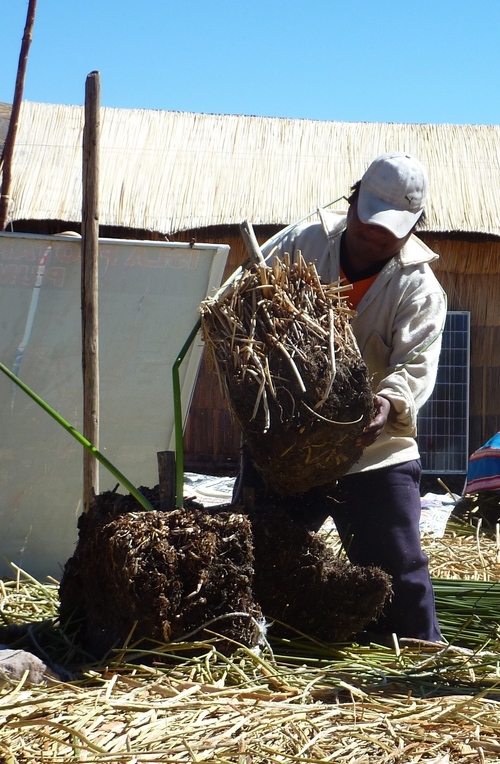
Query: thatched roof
pixel 170 171
pixel 5 111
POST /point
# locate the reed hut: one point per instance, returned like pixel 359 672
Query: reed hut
pixel 186 176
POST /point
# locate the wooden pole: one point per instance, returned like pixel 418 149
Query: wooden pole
pixel 8 151
pixel 89 284
pixel 167 483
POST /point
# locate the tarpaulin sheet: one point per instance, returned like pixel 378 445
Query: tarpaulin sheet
pixel 149 294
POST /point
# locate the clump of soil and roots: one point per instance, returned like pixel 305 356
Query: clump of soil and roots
pixel 301 584
pixel 159 575
pixel 190 573
pixel 291 372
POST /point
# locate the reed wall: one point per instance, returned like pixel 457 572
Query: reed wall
pixel 469 271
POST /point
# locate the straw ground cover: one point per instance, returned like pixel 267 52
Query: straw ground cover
pixel 297 701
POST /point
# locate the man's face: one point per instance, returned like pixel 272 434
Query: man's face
pixel 372 242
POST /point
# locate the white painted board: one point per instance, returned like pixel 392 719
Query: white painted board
pixel 149 294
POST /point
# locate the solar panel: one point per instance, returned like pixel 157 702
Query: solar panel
pixel 443 421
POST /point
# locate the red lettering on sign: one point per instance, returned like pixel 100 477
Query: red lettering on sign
pixel 184 258
pixel 68 255
pixel 25 276
pixel 18 253
pixel 55 275
pixel 8 274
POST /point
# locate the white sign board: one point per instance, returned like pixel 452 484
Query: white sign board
pixel 149 294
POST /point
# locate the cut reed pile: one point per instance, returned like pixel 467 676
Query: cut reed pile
pixel 297 701
pixel 289 366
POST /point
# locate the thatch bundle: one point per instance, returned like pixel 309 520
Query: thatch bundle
pixel 305 586
pixel 291 371
pixel 159 576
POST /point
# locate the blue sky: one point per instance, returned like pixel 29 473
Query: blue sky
pixel 433 61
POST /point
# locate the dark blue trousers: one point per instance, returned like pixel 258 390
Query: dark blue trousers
pixel 377 515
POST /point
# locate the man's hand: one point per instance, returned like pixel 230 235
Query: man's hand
pixel 376 426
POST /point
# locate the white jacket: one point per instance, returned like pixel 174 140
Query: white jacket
pixel 398 328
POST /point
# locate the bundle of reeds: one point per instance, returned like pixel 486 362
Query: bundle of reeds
pixel 290 368
pixel 481 510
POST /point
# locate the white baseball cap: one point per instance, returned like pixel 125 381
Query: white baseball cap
pixel 392 193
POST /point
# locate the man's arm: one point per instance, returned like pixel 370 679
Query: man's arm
pixel 413 363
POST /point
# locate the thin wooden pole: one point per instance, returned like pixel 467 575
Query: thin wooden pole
pixel 89 284
pixel 167 484
pixel 8 151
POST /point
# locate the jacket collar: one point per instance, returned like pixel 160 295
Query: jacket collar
pixel 414 252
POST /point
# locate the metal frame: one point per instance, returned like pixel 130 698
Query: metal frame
pixel 444 418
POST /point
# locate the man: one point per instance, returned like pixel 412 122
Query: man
pixel 401 310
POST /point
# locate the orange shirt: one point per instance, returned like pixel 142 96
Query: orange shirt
pixel 359 288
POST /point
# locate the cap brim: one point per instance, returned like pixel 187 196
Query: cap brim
pixel 376 211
